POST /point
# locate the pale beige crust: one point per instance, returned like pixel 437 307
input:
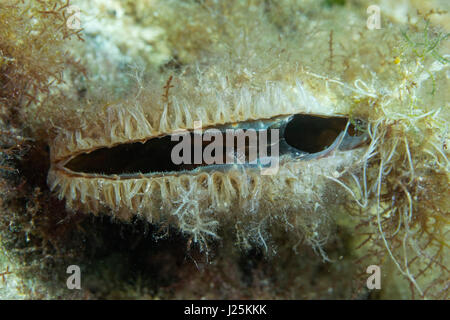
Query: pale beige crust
pixel 123 123
pixel 197 202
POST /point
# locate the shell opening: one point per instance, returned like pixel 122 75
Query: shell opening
pixel 298 136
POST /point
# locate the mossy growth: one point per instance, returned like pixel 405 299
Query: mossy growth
pixel 402 195
pixel 397 213
pixel 33 60
pixel 32 56
pixel 330 3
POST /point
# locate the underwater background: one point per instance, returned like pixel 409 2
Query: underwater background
pixel 76 69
